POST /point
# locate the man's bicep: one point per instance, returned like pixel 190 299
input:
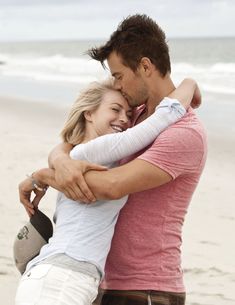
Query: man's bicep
pixel 135 176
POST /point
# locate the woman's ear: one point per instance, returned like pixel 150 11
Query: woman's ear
pixel 87 115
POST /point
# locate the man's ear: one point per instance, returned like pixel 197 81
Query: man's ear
pixel 87 116
pixel 145 66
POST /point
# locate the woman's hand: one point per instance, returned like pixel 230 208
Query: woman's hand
pixel 197 97
pixel 187 93
pixel 26 189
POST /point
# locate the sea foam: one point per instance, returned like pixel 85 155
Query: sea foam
pixel 218 77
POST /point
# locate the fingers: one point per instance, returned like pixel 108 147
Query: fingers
pixel 81 189
pixel 37 198
pixel 25 190
pixel 81 182
pixel 29 214
pixel 77 189
pixel 72 183
pixel 30 211
pixel 93 166
pixel 28 206
pixel 70 193
pixel 25 200
pixel 79 192
pixel 86 192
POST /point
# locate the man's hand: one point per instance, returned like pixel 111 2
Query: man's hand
pixel 25 191
pixel 69 177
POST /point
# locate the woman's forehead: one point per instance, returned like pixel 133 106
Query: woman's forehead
pixel 114 96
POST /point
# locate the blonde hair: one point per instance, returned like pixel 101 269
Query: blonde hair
pixel 88 100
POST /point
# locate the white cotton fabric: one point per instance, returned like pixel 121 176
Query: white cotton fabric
pixel 46 284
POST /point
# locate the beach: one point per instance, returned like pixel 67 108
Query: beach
pixel 39 82
pixel 28 132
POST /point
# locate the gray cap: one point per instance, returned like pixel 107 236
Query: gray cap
pixel 30 239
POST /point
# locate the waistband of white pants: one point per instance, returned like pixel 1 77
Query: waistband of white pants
pixel 64 261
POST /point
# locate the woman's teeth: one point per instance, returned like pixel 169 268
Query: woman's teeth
pixel 117 128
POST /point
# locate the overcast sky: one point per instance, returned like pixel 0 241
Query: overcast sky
pixel 90 19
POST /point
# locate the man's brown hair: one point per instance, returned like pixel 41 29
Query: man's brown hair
pixel 137 36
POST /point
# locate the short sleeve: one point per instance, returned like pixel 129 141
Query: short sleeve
pixel 177 151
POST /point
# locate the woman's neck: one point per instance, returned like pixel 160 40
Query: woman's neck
pixel 89 134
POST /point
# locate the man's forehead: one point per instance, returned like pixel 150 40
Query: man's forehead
pixel 116 65
pixel 114 60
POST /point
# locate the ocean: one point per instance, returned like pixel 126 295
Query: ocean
pixel 55 72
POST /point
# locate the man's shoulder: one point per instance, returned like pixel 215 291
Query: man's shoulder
pixel 182 146
pixel 188 133
pixel 189 124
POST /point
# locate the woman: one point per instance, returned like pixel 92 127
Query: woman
pixel 69 268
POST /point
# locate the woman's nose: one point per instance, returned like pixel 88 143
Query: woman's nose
pixel 124 118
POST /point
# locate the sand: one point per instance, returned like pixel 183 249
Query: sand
pixel 27 133
pixel 29 130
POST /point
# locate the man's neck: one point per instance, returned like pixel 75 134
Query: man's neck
pixel 158 88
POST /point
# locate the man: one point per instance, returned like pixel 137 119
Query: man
pixel 144 265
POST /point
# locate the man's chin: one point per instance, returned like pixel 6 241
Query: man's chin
pixel 135 103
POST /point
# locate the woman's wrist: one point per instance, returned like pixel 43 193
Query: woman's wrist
pixel 38 181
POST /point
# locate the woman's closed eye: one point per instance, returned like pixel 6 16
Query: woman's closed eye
pixel 116 109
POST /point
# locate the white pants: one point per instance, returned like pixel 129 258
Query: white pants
pixel 46 284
